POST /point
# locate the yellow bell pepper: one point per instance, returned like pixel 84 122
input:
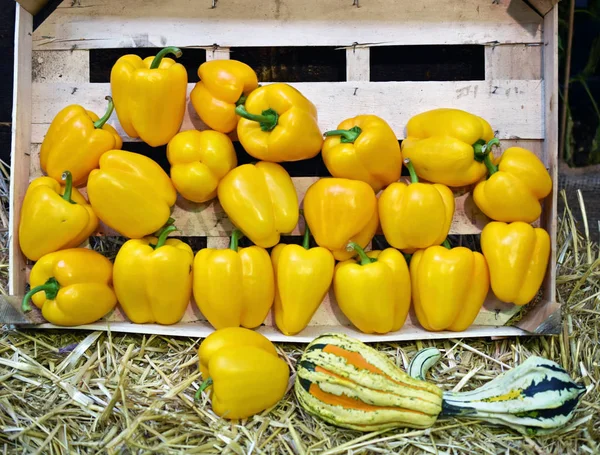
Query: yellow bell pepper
pixel 448 146
pixel 417 215
pixel 338 211
pixel 54 217
pixel 150 95
pixel 261 200
pixel 131 193
pixel 242 371
pixel 153 278
pixel 303 277
pixel 234 287
pixel 199 160
pixel 72 287
pixel 76 140
pixel 449 286
pixel 279 124
pixel 223 85
pixel 518 255
pixel 373 291
pixel 514 188
pixel 363 148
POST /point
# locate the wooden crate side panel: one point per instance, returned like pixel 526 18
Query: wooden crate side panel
pixel 61 66
pixel 21 135
pixel 547 317
pixel 514 108
pixel 92 24
pixel 513 62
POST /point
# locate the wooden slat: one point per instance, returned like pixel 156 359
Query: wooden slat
pixel 21 134
pixel 61 66
pixel 92 24
pixel 549 308
pixel 514 108
pixel 202 330
pixel 358 64
pixel 513 62
pixel 217 53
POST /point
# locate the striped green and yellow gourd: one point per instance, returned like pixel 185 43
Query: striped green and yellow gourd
pixel 349 384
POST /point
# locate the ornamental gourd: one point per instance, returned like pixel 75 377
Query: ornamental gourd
pixel 348 384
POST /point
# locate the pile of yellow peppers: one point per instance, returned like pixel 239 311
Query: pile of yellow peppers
pixel 154 277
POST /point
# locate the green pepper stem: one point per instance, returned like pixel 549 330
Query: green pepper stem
pixel 491 167
pixel 268 119
pixel 306 237
pixel 50 287
pixel 68 178
pixel 109 110
pixel 207 383
pixel 163 234
pixel 488 147
pixel 236 235
pixel 411 170
pixel 364 259
pixel 241 100
pixel 167 50
pixel 348 136
pixel 446 244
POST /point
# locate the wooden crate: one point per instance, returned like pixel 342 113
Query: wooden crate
pixel 517 95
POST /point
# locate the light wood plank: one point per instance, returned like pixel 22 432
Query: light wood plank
pixel 358 64
pixel 513 62
pixel 217 53
pixel 202 330
pixel 61 66
pixel 91 24
pixel 513 108
pixel 549 307
pixel 21 135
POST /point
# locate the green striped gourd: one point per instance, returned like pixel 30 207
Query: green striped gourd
pixel 349 384
pixel 536 397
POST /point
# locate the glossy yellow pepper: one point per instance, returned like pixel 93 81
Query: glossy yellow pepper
pixel 261 200
pixel 234 287
pixel 373 291
pixel 518 255
pixel 449 286
pixel 303 277
pixel 71 287
pixel 514 188
pixel 242 371
pixel 448 146
pixel 199 160
pixel 76 140
pixel 363 148
pixel 153 278
pixel 131 193
pixel 279 124
pixel 416 215
pixel 150 95
pixel 339 211
pixel 54 217
pixel 223 85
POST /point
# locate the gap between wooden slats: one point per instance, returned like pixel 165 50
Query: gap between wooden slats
pixel 93 24
pixel 514 108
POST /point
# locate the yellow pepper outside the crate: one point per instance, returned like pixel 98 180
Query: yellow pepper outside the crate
pixel 242 371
